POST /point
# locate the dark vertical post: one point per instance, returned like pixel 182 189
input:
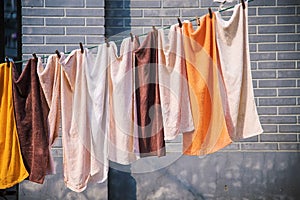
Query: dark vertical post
pixel 2 32
pixel 19 33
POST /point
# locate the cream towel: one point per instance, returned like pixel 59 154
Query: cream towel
pixel 173 87
pixel 233 48
pixel 80 163
pixel 122 136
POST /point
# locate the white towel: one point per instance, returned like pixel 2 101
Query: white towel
pixel 173 86
pixel 233 48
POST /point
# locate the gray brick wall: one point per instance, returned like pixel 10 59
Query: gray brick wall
pixel 48 25
pixel 274 46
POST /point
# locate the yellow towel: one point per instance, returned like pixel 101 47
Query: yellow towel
pixel 12 169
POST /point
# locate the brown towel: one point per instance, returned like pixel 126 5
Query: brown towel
pixel 31 111
pixel 149 114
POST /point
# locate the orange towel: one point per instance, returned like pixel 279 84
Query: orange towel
pixel 12 169
pixel 206 90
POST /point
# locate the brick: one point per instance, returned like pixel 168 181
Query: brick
pixel 289 146
pixel 289 74
pixel 95 21
pixel 289 56
pixel 276 47
pixel 276 65
pixel 32 3
pixel 278 138
pixel 252 30
pixel 64 39
pixel 113 31
pixel 287 2
pixel 262 38
pixel 263 74
pixel 57 143
pixel 252 11
pixel 276 10
pixel 115 22
pixel 251 139
pixel 262 56
pixel 37 21
pixel 259 146
pixel 180 4
pixel 57 152
pixel 87 12
pixel 192 12
pixel 278 119
pixel 69 3
pixel 122 13
pixel 231 147
pixel 65 21
pixel 161 13
pixel 263 3
pixel 265 92
pixel 43 30
pixel 276 29
pixel 143 22
pixel 289 38
pixel 289 92
pixel 289 110
pixel 142 4
pixel 277 83
pixel 95 3
pixel 42 12
pixel 26 39
pixel 253 47
pixel 289 128
pixel 254 83
pixel 269 128
pixel 267 110
pixel 276 101
pixel 111 4
pixel 169 21
pixel 49 49
pixel 253 66
pixel 84 30
pixel 261 20
pixel 288 20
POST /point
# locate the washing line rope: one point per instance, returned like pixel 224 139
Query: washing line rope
pixel 164 28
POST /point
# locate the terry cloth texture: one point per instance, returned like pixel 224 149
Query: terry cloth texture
pixel 149 114
pixel 173 87
pixel 206 90
pixel 12 168
pixel 233 48
pixel 122 134
pixel 31 112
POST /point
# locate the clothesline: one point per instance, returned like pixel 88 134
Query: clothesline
pixel 164 28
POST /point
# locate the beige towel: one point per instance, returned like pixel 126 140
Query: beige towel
pixel 80 165
pixel 173 87
pixel 50 80
pixel 122 136
pixel 233 48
